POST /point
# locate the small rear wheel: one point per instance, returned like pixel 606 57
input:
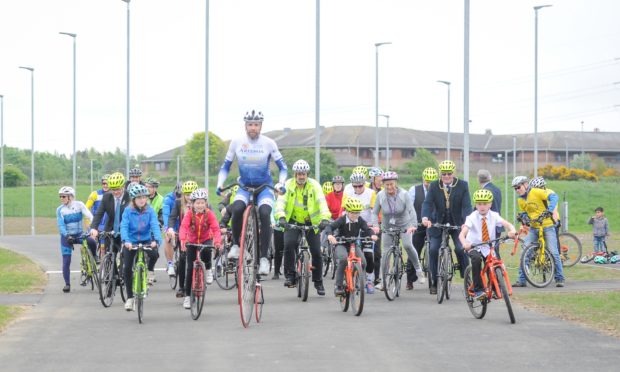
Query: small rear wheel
pixel 259 301
pixel 478 308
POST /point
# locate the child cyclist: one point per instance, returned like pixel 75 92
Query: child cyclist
pixel 480 227
pixel 349 225
pixel 199 226
pixel 139 225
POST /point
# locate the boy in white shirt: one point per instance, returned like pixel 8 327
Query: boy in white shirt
pixel 480 227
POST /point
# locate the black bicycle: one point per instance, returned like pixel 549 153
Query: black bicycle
pixel 445 263
pixel 392 265
pixel 224 268
pixel 110 271
pixel 303 260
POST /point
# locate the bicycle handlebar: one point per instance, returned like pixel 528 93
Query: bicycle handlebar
pixel 138 246
pixel 253 190
pixel 199 246
pixel 292 226
pixel 350 239
pixel 393 231
pixel 446 226
pixel 490 242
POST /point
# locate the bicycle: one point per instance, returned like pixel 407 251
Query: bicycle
pixel 174 279
pixel 88 266
pixel 392 265
pixel 494 280
pixel 250 291
pixel 225 272
pixel 139 284
pixel 198 289
pixel 569 245
pixel 425 259
pixel 303 260
pixel 445 263
pixel 354 276
pixel 537 262
pixel 110 272
pixel 606 254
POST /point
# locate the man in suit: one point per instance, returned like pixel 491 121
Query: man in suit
pixel 112 204
pixel 484 179
pixel 447 201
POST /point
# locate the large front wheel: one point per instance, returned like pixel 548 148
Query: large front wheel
pixel 570 249
pixel 478 308
pixel 538 270
pixel 303 273
pixel 391 274
pixel 359 283
pixel 107 288
pixel 499 274
pixel 197 295
pixel 442 275
pixel 139 279
pixel 246 266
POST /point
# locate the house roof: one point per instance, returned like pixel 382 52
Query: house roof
pixel 166 155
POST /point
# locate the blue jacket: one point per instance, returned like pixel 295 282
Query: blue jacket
pixel 166 207
pixel 139 226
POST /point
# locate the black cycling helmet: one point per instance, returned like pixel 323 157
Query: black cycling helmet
pixel 135 172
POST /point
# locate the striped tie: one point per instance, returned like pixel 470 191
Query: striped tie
pixel 485 230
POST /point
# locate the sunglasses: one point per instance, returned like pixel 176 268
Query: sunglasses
pixel 446 174
pixel 517 187
pixel 64 196
pixel 358 186
pixel 104 184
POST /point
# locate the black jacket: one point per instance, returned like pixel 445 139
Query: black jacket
pixel 107 207
pixel 435 204
pixel 349 230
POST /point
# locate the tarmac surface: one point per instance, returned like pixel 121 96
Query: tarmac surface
pixel 74 332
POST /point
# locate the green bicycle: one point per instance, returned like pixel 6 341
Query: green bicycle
pixel 88 266
pixel 139 284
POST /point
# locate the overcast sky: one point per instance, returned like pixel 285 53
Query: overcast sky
pixel 262 55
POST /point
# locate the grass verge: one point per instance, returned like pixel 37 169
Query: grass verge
pixel 8 314
pixel 597 310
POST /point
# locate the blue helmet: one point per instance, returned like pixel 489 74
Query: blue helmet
pixel 600 260
pixel 136 190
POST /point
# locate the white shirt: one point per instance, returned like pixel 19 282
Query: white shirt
pixel 474 223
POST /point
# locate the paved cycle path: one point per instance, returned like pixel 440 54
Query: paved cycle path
pixel 73 332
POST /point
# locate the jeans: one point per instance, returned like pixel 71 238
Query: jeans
pixel 291 237
pixel 551 240
pixel 599 244
pixel 434 254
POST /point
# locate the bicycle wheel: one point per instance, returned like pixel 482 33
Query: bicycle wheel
pixel 334 265
pixel 224 271
pixel 197 294
pixel 304 280
pixel 259 301
pixel 84 278
pixel 390 274
pixel 499 274
pixel 120 278
pixel 107 288
pixel 450 274
pixel 570 249
pixel 174 279
pixel 139 277
pixel 538 272
pixel 478 308
pixel 359 283
pixel 246 266
pixel 344 299
pixel 442 267
pixel 326 258
pixel 94 273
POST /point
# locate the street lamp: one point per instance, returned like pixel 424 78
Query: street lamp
pixel 536 8
pixel 127 154
pixel 387 143
pixel 74 122
pixel 377 45
pixel 447 83
pixel 32 230
pixel 1 165
pixel 582 141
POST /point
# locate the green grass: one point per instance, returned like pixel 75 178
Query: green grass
pixel 19 274
pixel 597 310
pixel 8 313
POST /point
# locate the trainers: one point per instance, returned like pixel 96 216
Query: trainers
pixel 83 282
pixel 180 293
pixel 209 276
pixel 129 304
pixel 559 283
pixel 289 282
pixel 320 290
pixel 409 286
pixel 66 288
pixel 339 290
pixel 151 277
pixel 519 284
pixel 276 276
pixel 421 277
pixel 370 289
pixel 433 290
pixel 234 252
pixel 264 266
pixel 379 286
pixel 187 303
pixel 170 270
pixel 479 295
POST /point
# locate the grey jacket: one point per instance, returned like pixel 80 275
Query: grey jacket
pixel 600 226
pixel 398 208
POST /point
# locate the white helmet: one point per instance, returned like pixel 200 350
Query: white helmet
pixel 357 178
pixel 66 190
pixel 519 180
pixel 301 166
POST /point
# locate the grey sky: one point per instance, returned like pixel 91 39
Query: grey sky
pixel 262 56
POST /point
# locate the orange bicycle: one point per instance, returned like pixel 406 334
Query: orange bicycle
pixel 494 280
pixel 355 277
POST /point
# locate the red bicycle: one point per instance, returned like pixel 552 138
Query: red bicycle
pixel 199 288
pixel 354 275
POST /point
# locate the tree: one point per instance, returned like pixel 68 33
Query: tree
pixel 422 160
pixel 13 176
pixel 329 167
pixel 195 152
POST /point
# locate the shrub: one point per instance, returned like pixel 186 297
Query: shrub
pixel 566 174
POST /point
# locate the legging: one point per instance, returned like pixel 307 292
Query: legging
pixel 129 256
pixel 205 256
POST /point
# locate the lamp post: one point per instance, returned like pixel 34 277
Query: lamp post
pixel 32 229
pixel 447 83
pixel 377 45
pixel 387 142
pixel 317 94
pixel 1 165
pixel 206 96
pixel 536 8
pixel 91 174
pixel 582 141
pixel 74 122
pixel 128 50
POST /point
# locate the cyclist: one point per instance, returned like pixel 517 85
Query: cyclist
pixel 254 153
pixel 484 179
pixel 69 216
pixel 166 207
pixel 533 203
pixel 367 197
pixel 397 211
pixel 155 199
pixel 376 179
pixel 349 225
pixel 302 204
pixel 199 226
pixel 481 226
pixel 334 198
pixel 139 225
pixel 359 169
pixel 417 194
pixel 540 183
pixel 112 205
pixel 447 201
pixel 135 176
pixel 181 206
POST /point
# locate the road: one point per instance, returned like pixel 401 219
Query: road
pixel 73 332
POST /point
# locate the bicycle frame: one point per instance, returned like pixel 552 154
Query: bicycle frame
pixel 489 279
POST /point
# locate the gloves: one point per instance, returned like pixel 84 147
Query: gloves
pixel 282 222
pixel 218 191
pixel 323 224
pixel 280 188
pixel 69 239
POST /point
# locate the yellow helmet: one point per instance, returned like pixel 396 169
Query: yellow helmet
pixel 447 166
pixel 353 205
pixel 189 187
pixel 327 187
pixel 430 174
pixel 361 169
pixel 483 196
pixel 116 180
